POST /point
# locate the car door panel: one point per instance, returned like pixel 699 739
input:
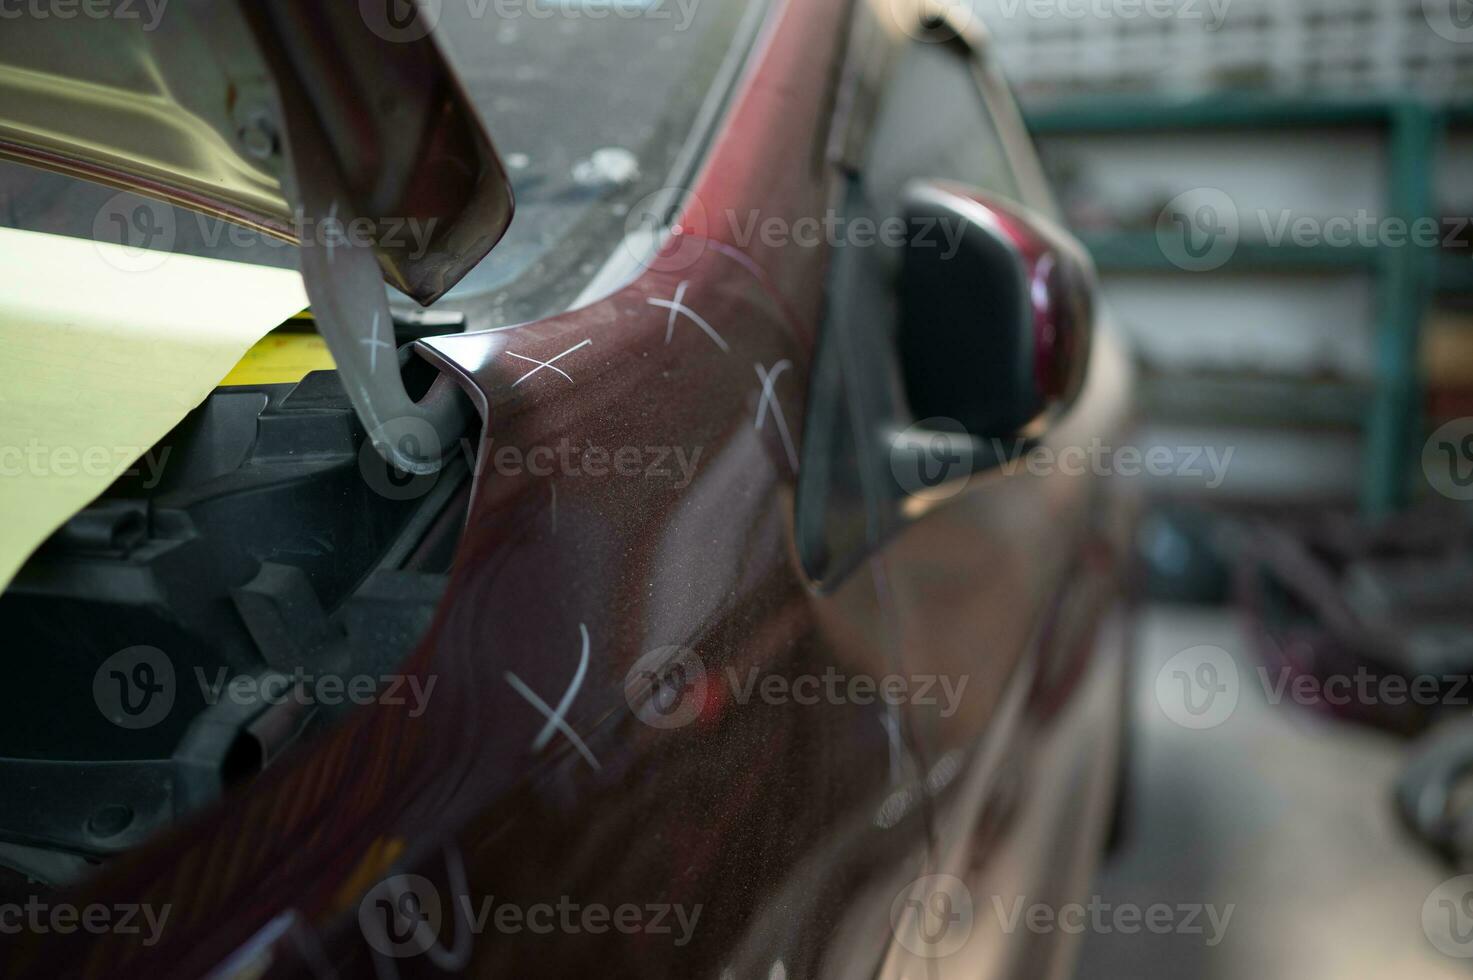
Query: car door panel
pixel 1007 583
pixel 548 769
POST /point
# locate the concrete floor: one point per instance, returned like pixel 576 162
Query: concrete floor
pixel 1285 815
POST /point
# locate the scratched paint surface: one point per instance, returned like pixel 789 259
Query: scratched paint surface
pixel 535 775
pixel 537 772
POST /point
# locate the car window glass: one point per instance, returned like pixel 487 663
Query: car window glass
pixel 933 123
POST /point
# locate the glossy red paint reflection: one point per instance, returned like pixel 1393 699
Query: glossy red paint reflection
pixel 535 776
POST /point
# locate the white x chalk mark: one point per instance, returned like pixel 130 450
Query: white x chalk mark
pixel 546 365
pixel 770 401
pixel 557 718
pixel 678 309
pixel 374 343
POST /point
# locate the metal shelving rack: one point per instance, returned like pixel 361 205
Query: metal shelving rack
pixel 1407 277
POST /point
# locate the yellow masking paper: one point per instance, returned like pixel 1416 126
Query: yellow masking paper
pixel 281 358
pixel 103 350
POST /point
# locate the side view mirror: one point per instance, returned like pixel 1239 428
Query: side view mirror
pixel 995 329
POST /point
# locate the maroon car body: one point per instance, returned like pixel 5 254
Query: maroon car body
pixel 794 828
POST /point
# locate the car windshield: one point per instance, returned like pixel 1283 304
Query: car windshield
pixel 594 105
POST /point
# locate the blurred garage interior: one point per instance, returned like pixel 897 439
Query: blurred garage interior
pixel 1241 173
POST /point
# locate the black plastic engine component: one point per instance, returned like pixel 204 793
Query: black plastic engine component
pixel 263 538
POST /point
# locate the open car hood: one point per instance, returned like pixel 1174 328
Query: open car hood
pixel 300 118
pixel 184 101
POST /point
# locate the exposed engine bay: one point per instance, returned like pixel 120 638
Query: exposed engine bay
pixel 256 574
